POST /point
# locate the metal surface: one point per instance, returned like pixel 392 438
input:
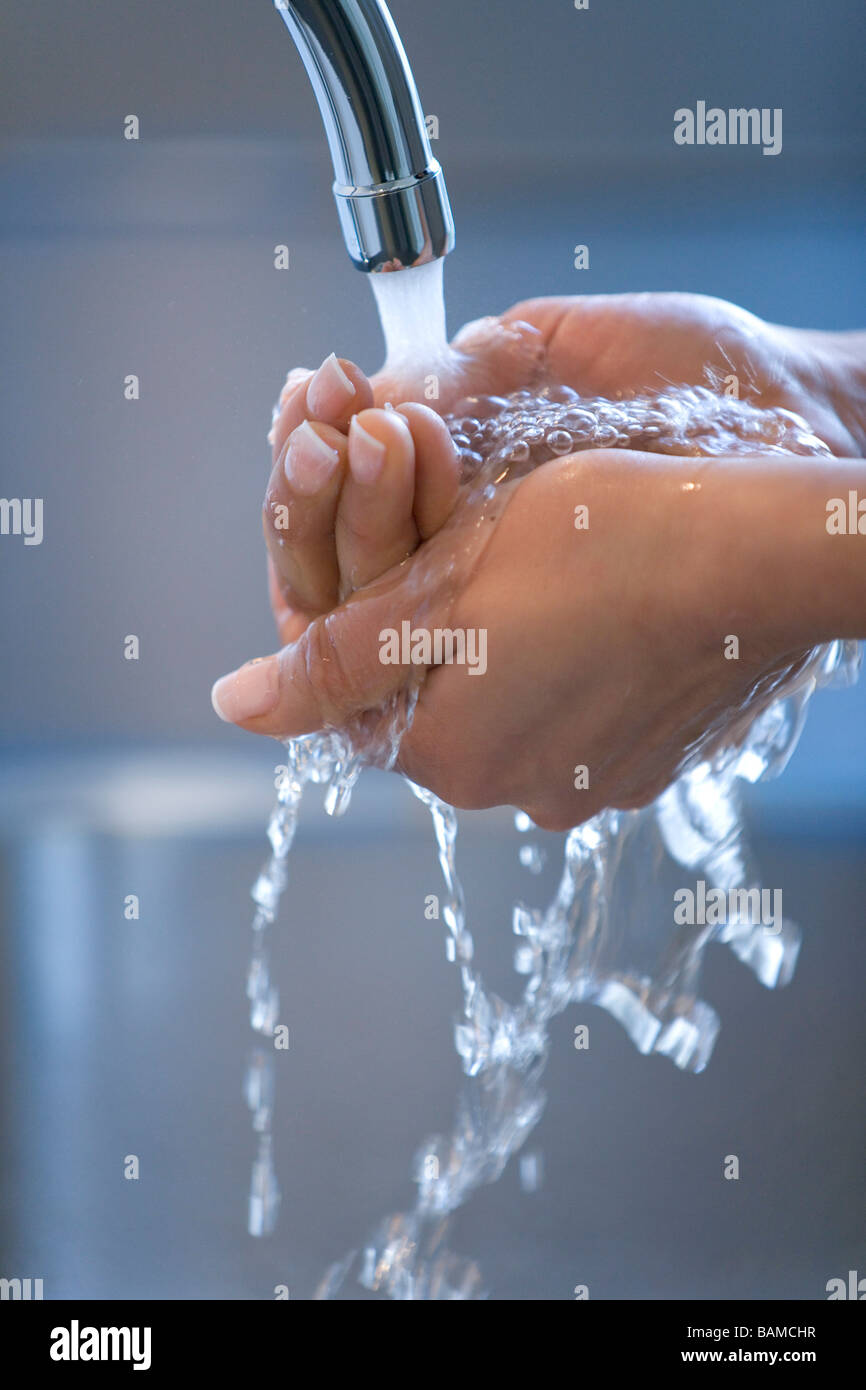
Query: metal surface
pixel 390 191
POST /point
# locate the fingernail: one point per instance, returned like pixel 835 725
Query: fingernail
pixel 330 390
pixel 309 461
pixel 249 692
pixel 366 453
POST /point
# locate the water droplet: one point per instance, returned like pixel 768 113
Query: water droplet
pixel 518 452
pixel 532 858
pixel 605 436
pixel 531 1171
pixel 560 441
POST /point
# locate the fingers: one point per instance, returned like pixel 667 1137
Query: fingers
pixel 331 395
pixel 339 511
pixel 400 487
pixel 331 673
pixel 300 512
pixel 290 621
pixel 437 468
pixel 375 523
pixel 352 492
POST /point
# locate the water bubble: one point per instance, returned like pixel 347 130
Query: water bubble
pixel 580 424
pixel 518 452
pixel 606 435
pixel 524 960
pixel 560 394
pixel 531 1171
pixel 560 442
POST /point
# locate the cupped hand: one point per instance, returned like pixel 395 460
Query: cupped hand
pixel 331 528
pixel 604 666
pixel 604 645
pixel 630 344
pixel 363 470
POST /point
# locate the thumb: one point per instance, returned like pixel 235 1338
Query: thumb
pixel 333 671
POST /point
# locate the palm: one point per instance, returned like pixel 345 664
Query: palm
pixel 487 356
pixel 626 344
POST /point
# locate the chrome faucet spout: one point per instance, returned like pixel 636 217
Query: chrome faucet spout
pixel 390 191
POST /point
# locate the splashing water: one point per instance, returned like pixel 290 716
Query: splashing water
pixel 516 433
pixel 334 760
pixel 598 940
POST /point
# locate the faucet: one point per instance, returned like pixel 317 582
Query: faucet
pixel 390 191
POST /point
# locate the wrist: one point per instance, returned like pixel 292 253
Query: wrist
pixel 787 564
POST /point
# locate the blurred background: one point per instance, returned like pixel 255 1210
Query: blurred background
pixel 155 257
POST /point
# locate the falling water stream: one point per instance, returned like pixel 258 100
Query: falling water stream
pixel 596 940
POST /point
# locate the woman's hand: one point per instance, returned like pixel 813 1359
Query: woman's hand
pixel 625 344
pixel 607 654
pixel 607 648
pixel 331 527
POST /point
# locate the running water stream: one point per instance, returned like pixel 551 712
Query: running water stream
pixel 597 940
